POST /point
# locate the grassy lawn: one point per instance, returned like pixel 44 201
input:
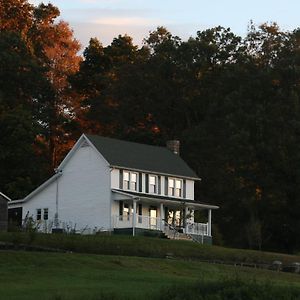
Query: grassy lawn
pixel 41 275
pixel 145 247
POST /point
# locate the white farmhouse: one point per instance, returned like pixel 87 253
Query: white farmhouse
pixel 106 184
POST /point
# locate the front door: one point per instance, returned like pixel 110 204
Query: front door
pixel 152 219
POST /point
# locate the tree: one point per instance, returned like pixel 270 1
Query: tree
pixel 18 125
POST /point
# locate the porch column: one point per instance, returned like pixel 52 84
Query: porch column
pixel 162 212
pixel 209 222
pixel 134 217
pixel 186 212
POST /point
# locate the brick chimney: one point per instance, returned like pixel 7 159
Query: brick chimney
pixel 174 146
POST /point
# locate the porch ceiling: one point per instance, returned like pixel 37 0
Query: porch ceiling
pixel 157 199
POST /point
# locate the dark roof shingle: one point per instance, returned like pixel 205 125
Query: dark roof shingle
pixel 144 157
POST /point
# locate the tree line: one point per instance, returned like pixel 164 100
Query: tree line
pixel 232 101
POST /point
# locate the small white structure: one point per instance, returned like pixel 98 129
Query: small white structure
pixel 106 184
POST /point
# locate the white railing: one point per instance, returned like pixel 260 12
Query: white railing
pixel 146 222
pixel 197 228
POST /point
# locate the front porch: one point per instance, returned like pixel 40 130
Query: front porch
pixel 173 217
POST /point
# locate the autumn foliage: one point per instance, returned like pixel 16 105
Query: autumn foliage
pixel 232 101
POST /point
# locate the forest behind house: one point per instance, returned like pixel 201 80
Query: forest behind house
pixel 233 102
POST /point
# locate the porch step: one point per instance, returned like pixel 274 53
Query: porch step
pixel 178 236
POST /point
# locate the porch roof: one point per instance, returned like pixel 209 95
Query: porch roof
pixel 163 199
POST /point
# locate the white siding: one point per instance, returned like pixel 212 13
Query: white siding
pixel 143 183
pixel 115 178
pixel 162 185
pixel 190 189
pixel 84 196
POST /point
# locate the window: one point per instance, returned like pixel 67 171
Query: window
pixel 152 184
pixel 171 185
pixel 140 213
pixel 175 187
pixel 45 213
pixel 38 214
pixel 178 188
pixel 126 180
pixel 126 213
pixel 130 181
pixel 121 208
pixel 133 181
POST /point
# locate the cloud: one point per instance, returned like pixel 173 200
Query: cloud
pixel 125 21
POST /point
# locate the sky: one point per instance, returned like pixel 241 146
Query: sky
pixel 106 19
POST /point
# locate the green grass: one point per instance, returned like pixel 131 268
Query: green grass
pixel 41 275
pixel 146 247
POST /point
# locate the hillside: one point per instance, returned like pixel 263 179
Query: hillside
pixel 146 247
pixel 62 276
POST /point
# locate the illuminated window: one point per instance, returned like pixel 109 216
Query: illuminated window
pixel 126 180
pixel 178 188
pixel 130 181
pixel 152 184
pixel 171 187
pixel 175 187
pixel 133 181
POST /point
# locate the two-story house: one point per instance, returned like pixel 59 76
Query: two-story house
pixel 106 184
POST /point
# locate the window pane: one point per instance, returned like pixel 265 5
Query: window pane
pixel 171 183
pixel 178 193
pixel 38 214
pixel 126 176
pixel 133 177
pixel 152 188
pixel 45 213
pixel 178 184
pixel 126 185
pixel 133 186
pixel 152 180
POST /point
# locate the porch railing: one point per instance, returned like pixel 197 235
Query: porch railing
pixel 197 228
pixel 146 222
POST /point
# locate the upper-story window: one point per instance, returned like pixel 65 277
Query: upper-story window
pixel 126 182
pixel 175 187
pixel 133 181
pixel 178 188
pixel 152 184
pixel 129 181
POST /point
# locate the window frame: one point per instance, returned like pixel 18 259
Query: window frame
pixel 155 185
pixel 126 183
pixel 46 214
pixel 135 182
pixel 130 185
pixel 172 191
pixel 38 214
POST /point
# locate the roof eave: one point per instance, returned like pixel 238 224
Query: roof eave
pixel 5 197
pixel 155 172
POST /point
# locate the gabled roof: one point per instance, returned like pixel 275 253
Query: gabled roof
pixel 141 157
pixel 5 197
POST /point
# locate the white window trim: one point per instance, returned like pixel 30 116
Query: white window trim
pixel 130 181
pixel 156 184
pixel 42 214
pixel 174 188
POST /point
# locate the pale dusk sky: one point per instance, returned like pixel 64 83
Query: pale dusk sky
pixel 106 19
